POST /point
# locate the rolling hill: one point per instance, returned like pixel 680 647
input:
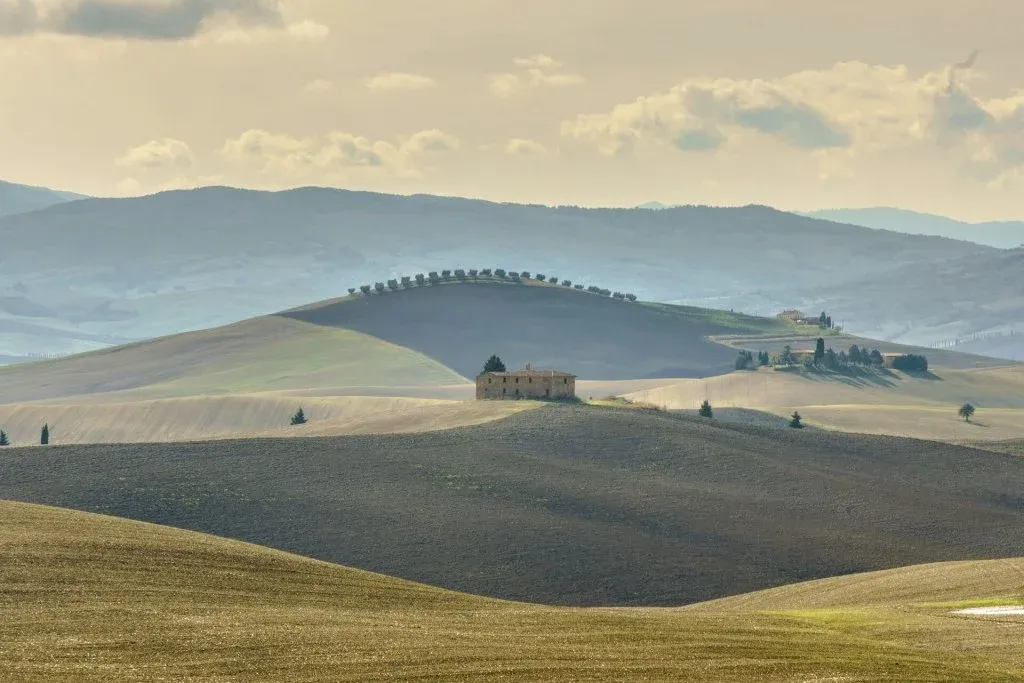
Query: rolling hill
pixel 143 267
pixel 564 505
pixel 262 354
pixel 1001 234
pixel 95 598
pixel 15 198
pixel 893 403
pixel 423 337
pixel 595 337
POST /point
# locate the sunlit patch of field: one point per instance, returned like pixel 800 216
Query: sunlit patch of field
pixel 239 416
pixel 891 403
pixel 91 598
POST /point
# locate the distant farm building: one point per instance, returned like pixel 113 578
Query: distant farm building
pixel 792 315
pixel 526 383
pixel 889 359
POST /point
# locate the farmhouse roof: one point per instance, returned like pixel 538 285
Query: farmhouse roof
pixel 529 371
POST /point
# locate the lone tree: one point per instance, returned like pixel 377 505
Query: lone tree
pixel 3 438
pixel 796 422
pixel 44 437
pixel 494 364
pixel 705 409
pixel 819 351
pixel 966 411
pixel 299 418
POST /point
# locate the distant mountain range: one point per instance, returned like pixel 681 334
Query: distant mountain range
pixel 85 274
pixel 999 234
pixel 1002 234
pixel 16 198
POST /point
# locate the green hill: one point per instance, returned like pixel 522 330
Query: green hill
pixel 427 336
pixel 98 599
pixel 564 505
pixel 262 354
pixel 594 336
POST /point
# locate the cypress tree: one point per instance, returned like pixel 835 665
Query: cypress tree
pixel 44 437
pixel 3 438
pixel 494 364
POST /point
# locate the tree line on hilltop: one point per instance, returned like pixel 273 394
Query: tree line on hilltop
pixel 460 275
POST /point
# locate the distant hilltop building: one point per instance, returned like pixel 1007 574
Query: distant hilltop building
pixel 526 383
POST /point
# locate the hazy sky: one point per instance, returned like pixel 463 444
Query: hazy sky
pixel 794 103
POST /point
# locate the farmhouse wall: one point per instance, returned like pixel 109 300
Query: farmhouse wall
pixel 525 384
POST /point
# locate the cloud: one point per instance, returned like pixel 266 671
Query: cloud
pixel 522 147
pixel 386 82
pixel 536 74
pixel 851 104
pixel 18 17
pixel 319 86
pixel 157 20
pixel 433 140
pixel 165 153
pixel 336 151
pixel 537 62
pixel 839 115
pixel 504 85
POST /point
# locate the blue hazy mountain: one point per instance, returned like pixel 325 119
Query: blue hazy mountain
pixel 83 273
pixel 1002 234
pixel 15 198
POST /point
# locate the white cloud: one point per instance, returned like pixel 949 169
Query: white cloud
pixel 308 31
pixel 301 31
pixel 536 74
pixel 386 82
pixel 524 147
pixel 504 85
pixel 336 151
pixel 537 62
pixel 433 140
pixel 158 154
pixel 840 115
pixel 319 86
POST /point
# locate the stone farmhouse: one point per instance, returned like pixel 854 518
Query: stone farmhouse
pixel 526 383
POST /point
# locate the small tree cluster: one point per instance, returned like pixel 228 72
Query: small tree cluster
pixel 299 418
pixel 763 358
pixel 796 422
pixel 494 364
pixel 745 360
pixel 911 362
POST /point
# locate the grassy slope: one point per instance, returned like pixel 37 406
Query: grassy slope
pixel 91 598
pixel 593 336
pixel 237 416
pixel 262 354
pixel 564 505
pixel 884 403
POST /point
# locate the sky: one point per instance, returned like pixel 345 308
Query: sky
pixel 798 104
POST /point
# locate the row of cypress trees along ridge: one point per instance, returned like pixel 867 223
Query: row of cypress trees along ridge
pixel 460 275
pixel 44 437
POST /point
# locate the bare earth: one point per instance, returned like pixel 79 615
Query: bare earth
pixel 894 404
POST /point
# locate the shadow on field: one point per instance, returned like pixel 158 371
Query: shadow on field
pixel 577 505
